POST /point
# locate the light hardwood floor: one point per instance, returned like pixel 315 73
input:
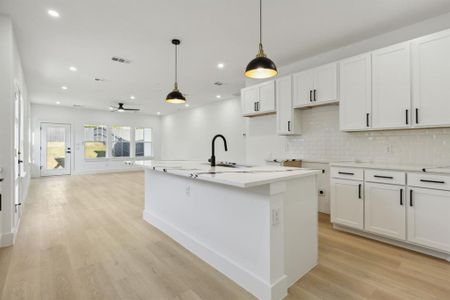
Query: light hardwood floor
pixel 83 237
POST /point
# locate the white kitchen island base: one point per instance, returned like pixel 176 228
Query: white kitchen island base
pixel 262 237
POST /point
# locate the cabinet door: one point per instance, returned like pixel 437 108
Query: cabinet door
pixel 431 77
pixel 355 93
pixel 303 88
pixel 384 210
pixel 391 87
pixel 347 204
pixel 284 105
pixel 249 97
pixel 325 83
pixel 267 97
pixel 428 214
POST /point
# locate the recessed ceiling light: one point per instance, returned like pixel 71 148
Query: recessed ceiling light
pixel 158 113
pixel 73 69
pixel 132 97
pixel 64 87
pixel 57 102
pixel 218 96
pixel 111 108
pixel 187 105
pixel 220 65
pixel 53 13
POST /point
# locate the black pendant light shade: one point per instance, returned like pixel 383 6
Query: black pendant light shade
pixel 261 67
pixel 175 96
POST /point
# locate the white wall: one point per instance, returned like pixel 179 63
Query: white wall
pixel 77 118
pixel 11 79
pixel 187 134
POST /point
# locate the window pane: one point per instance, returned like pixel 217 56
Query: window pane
pixel 94 149
pixel 143 149
pixel 143 138
pixel 120 141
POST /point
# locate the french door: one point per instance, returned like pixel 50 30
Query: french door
pixel 55 149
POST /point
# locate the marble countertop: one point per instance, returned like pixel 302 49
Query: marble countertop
pixel 240 176
pixel 398 167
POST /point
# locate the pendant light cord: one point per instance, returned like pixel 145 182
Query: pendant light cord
pixel 176 67
pixel 260 22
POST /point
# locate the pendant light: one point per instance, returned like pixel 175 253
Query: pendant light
pixel 175 96
pixel 261 67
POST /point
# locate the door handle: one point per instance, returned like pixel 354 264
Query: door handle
pixel 257 105
pixel 407 117
pixel 385 177
pixel 411 203
pixel 315 95
pixel 310 95
pixel 346 173
pixel 20 161
pixel 367 120
pixel 417 116
pixel 432 181
pixel 359 191
pixel 254 106
pixel 289 125
pixel 401 197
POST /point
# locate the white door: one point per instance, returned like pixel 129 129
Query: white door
pixel 391 87
pixel 284 105
pixel 325 83
pixel 55 149
pixel 431 73
pixel 18 155
pixel 347 203
pixel 249 98
pixel 428 213
pixel 303 88
pixel 355 93
pixel 267 97
pixel 385 210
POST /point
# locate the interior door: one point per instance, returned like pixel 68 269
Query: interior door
pixel 303 88
pixel 431 70
pixel 347 203
pixel 428 214
pixel 391 102
pixel 267 96
pixel 355 93
pixel 18 154
pixel 55 149
pixel 385 211
pixel 325 83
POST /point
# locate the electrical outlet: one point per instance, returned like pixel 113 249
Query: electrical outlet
pixel 275 216
pixel 188 190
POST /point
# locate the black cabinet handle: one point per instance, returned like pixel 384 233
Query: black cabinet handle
pixel 346 173
pixel 407 117
pixel 0 202
pixel 417 116
pixel 359 191
pixel 432 181
pixel 289 125
pixel 254 106
pixel 367 120
pixel 411 203
pixel 257 105
pixel 401 197
pixel 20 161
pixel 315 95
pixel 310 96
pixel 385 177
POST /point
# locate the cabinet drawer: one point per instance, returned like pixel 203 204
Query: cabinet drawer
pixel 347 173
pixel 441 182
pixel 380 176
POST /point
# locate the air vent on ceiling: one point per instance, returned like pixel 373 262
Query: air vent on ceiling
pixel 99 79
pixel 121 60
pixel 77 105
pixel 218 83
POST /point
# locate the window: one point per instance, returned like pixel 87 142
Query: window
pixel 143 139
pixel 121 137
pixel 95 139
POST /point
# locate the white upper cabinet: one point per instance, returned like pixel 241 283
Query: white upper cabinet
pixel 258 99
pixel 355 93
pixel 431 78
pixel 316 86
pixel 391 87
pixel 288 121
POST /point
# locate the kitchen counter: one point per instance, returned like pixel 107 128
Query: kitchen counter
pixel 255 224
pixel 394 167
pixel 240 176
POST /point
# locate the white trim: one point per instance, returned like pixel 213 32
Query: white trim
pixel 103 171
pixel 246 279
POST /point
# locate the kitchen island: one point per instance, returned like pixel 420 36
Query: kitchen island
pixel 256 225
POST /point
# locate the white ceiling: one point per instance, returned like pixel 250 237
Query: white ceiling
pixel 90 32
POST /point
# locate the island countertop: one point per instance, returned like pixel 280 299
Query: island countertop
pixel 239 176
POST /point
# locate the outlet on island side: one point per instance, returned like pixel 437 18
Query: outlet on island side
pixel 188 190
pixel 275 216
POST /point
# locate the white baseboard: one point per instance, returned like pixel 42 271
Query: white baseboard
pixel 247 280
pixel 103 171
pixel 397 243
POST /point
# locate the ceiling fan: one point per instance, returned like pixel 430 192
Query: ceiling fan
pixel 120 108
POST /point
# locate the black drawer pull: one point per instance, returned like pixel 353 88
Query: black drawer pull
pixel 315 95
pixel 417 116
pixel 411 198
pixel 346 173
pixel 385 177
pixel 367 120
pixel 407 117
pixel 432 181
pixel 310 96
pixel 401 197
pixel 359 191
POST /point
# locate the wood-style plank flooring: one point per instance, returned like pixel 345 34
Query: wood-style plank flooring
pixel 83 237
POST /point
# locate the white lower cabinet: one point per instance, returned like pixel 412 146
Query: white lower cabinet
pixel 347 203
pixel 428 214
pixel 384 210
